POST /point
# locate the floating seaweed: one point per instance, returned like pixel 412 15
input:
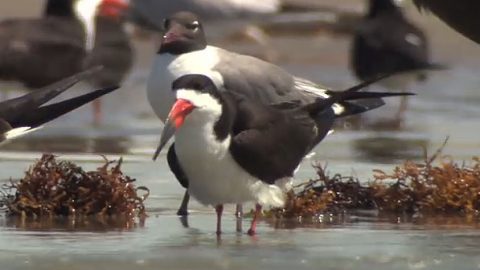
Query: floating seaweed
pixel 61 188
pixel 438 185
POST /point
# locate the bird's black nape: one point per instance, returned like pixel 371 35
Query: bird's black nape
pixel 197 82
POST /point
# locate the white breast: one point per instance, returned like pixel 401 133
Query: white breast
pixel 214 176
pixel 167 68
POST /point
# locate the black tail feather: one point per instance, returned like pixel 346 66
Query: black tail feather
pixel 47 113
pixel 13 109
pixel 345 97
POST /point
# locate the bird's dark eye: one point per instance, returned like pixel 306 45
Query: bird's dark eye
pixel 166 24
pixel 193 26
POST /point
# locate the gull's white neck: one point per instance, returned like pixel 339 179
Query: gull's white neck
pixel 167 68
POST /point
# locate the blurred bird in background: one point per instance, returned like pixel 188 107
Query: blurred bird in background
pixel 70 36
pixel 386 42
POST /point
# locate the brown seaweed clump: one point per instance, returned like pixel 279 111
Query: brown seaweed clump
pixel 426 188
pixel 325 195
pixel 435 186
pixel 61 188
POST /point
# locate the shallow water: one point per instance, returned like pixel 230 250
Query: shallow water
pixel 446 105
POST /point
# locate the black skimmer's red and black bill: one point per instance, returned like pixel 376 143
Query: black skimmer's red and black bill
pixel 72 35
pixel 24 114
pixel 231 148
pixel 184 50
pixel 386 42
pixel 461 15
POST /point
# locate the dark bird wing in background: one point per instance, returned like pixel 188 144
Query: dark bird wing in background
pixel 26 112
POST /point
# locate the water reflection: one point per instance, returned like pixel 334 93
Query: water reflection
pixel 377 220
pixel 77 224
pixel 71 144
pixel 385 149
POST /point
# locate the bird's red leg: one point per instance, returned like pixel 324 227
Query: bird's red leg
pixel 97 112
pixel 219 210
pixel 253 227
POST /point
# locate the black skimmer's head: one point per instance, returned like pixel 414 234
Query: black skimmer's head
pixel 183 33
pixel 194 93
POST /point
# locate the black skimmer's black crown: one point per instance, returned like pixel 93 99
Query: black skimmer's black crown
pixel 230 148
pixel 27 113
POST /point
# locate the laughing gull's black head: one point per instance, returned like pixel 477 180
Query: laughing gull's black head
pixel 183 33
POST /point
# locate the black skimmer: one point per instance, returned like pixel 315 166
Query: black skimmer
pixel 386 42
pixel 230 148
pixel 460 15
pixel 71 36
pixel 27 113
pixel 184 50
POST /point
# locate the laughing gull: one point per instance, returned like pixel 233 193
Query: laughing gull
pixel 184 50
pixel 385 42
pixel 27 113
pixel 72 35
pixel 231 148
pixel 461 15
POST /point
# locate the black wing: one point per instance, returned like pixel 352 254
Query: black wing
pixel 12 110
pixel 278 139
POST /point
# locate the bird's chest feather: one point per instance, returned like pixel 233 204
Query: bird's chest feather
pixel 214 177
